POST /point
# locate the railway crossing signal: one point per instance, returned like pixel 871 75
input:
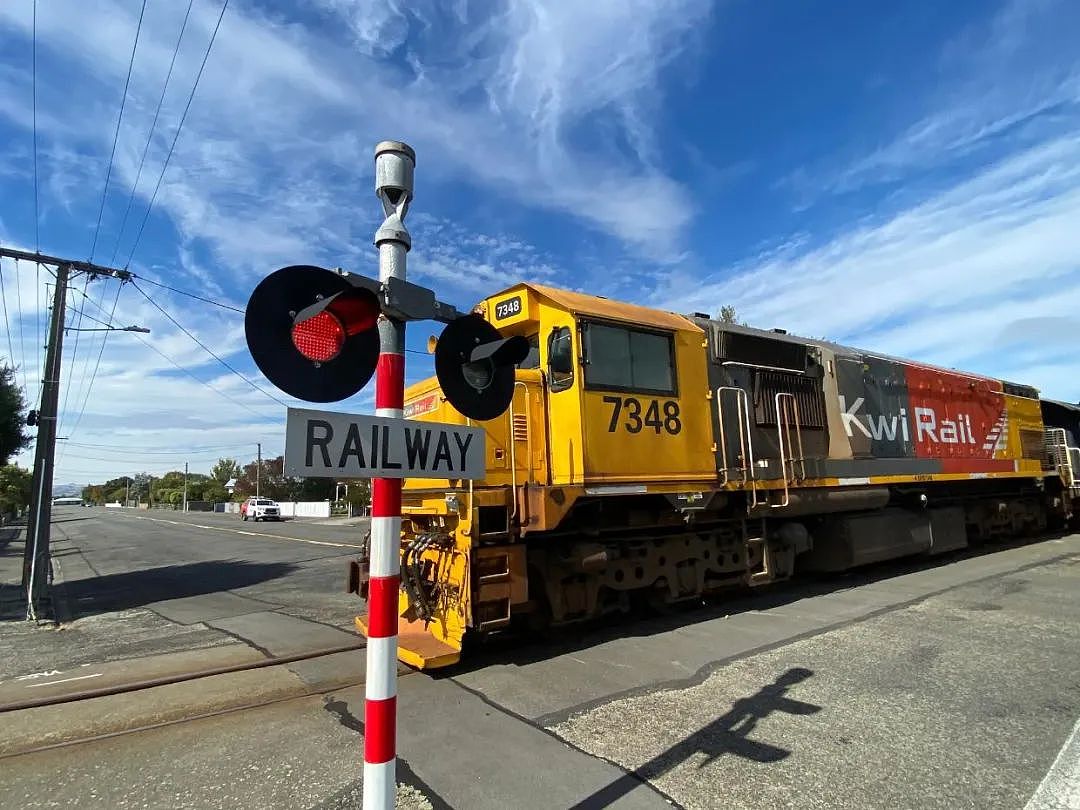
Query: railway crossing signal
pixel 319 335
pixel 314 333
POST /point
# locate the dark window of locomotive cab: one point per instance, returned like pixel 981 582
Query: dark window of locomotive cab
pixel 621 359
pixel 560 359
pixel 532 359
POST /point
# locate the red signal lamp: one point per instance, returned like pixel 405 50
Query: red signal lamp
pixel 319 338
pixel 320 331
pixel 313 333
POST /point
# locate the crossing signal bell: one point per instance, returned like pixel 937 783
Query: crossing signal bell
pixel 314 334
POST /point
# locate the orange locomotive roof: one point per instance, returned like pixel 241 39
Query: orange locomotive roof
pixel 584 304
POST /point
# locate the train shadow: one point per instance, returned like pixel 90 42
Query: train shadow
pixel 728 734
pixel 521 647
pixel 131 589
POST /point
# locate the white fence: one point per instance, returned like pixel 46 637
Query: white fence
pixel 312 509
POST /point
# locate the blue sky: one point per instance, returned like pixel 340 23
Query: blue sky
pixel 904 178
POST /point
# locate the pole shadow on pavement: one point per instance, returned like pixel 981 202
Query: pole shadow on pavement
pixel 727 734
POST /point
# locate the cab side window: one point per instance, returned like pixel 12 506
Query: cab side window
pixel 622 359
pixel 560 359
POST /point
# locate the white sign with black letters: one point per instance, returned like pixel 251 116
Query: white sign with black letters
pixel 322 444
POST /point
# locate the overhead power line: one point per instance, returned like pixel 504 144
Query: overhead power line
pixel 204 347
pixel 176 136
pixel 174 458
pixel 162 451
pixel 7 326
pixel 116 134
pixel 37 218
pixel 97 363
pixel 22 341
pixel 38 359
pixel 191 374
pixel 229 307
pixel 74 355
pixel 150 135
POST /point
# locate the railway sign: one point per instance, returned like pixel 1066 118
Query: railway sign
pixel 325 444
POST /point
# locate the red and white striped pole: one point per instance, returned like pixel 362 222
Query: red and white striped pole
pixel 394 163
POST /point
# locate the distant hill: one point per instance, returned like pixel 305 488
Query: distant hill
pixel 67 490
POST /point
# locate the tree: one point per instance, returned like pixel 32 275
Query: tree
pixel 210 490
pixel 727 315
pixel 272 482
pixel 142 485
pixel 359 492
pixel 225 469
pixel 15 486
pixel 94 493
pixel 112 491
pixel 12 405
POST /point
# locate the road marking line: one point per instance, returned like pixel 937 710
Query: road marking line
pixel 63 680
pixel 34 675
pixel 1060 788
pixel 251 534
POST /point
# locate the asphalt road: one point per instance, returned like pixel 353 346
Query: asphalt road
pixel 947 685
pixel 150 583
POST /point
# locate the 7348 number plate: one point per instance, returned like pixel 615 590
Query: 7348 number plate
pixel 508 308
pixel 634 415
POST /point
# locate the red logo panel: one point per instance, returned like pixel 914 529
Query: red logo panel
pixel 954 417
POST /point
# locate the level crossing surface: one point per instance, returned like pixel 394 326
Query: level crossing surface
pixel 951 685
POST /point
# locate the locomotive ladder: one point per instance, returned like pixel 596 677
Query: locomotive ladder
pixel 1064 459
pixel 789 442
pixel 746 467
pixel 787 427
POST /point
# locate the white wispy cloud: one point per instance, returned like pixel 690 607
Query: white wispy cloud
pixel 967 253
pixel 285 116
pixel 274 163
pixel 958 279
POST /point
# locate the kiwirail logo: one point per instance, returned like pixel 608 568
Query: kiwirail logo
pixel 924 421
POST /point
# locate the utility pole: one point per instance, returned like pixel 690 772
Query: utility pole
pixel 185 485
pixel 127 493
pixel 36 561
pixel 258 468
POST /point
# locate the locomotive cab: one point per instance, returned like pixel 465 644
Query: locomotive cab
pixel 605 387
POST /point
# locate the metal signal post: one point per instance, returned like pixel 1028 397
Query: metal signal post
pixel 394 164
pixel 319 335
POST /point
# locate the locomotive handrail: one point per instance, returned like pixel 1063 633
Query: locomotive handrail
pixel 783 423
pixel 746 441
pixel 513 446
pixel 759 366
pixel 1056 447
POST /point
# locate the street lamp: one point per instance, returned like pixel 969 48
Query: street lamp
pixel 141 329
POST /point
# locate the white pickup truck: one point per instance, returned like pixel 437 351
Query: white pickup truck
pixel 261 509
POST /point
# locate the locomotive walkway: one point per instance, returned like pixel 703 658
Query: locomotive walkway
pixel 946 686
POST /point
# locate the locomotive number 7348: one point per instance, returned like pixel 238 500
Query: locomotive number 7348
pixel 633 415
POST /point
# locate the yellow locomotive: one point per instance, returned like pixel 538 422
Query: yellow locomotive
pixel 655 456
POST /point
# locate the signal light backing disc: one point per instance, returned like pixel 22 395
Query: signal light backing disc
pixel 454 351
pixel 268 325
